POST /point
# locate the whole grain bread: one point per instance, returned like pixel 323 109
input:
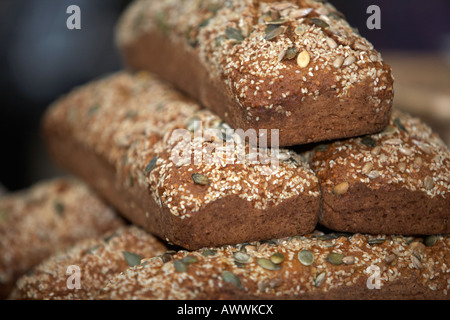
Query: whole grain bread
pixel 317 266
pixel 117 134
pixel 49 216
pixel 263 64
pixel 394 182
pixel 97 260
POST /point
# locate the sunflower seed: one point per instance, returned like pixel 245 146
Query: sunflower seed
pixel 277 258
pixel 335 258
pixel 319 279
pixel 402 167
pixel 300 13
pixel 303 59
pixel 428 183
pixel 132 258
pixel 348 260
pixel 273 31
pixel 431 240
pixel 389 131
pixel 418 163
pixel 234 34
pixel 151 165
pixel 390 258
pixel 367 168
pixel 331 43
pixel 373 58
pixel 337 63
pixel 361 47
pixel 276 21
pixel 416 262
pixel 306 257
pixel 267 264
pixel 341 188
pixel 405 151
pixel 229 277
pixel 376 151
pixel 200 179
pixel 349 60
pixel 393 142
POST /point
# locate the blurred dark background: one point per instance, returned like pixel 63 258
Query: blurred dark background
pixel 40 59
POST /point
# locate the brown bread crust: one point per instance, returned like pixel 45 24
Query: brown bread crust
pixel 408 269
pixel 111 151
pixel 246 83
pixel 395 182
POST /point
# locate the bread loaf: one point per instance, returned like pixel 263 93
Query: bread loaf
pixel 394 182
pixel 117 134
pixel 317 266
pixel 96 259
pixel 262 64
pixel 50 216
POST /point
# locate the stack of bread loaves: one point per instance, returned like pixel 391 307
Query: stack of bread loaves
pixel 362 212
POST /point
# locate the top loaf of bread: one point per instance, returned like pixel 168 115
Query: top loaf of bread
pixel 295 66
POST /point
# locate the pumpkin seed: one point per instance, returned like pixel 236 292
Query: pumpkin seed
pixel 276 21
pixel 368 142
pixel 161 22
pixel 277 258
pixel 204 23
pixel 322 147
pixel 189 260
pixel 306 257
pixel 400 125
pixel 273 31
pixel 179 266
pixel 151 165
pixel 193 124
pixel 267 264
pixel 335 258
pixel 333 236
pixel 319 279
pixel 290 53
pixel 234 34
pixel 209 253
pixel 376 241
pixel 200 179
pixel 167 256
pixel 229 277
pixel 320 23
pixel 132 258
pixel 430 240
pixel 108 238
pixel 59 208
pixel 341 188
pixel 93 109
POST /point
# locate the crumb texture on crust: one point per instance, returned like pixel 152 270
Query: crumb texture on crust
pixel 269 53
pixel 315 266
pixel 49 216
pixel 130 120
pixel 97 259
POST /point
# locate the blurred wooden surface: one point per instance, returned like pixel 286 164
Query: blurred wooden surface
pixel 422 87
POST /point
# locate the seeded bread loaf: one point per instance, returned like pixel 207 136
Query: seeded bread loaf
pixel 317 266
pixel 294 66
pixel 49 216
pixel 394 182
pixel 116 134
pixel 96 260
